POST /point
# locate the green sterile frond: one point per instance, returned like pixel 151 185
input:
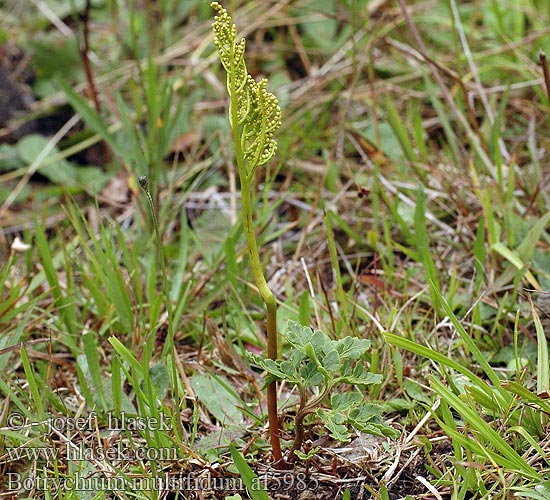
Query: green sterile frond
pixel 262 121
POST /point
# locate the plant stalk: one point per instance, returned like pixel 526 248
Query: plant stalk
pixel 271 307
pixel 244 91
pixel 246 175
pixel 305 409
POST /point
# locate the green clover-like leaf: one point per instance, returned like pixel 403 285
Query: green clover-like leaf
pixel 322 342
pixel 334 422
pixel 311 375
pixel 331 362
pixel 351 347
pixel 269 365
pixel 357 374
pixel 298 335
pixel 344 401
pixel 307 456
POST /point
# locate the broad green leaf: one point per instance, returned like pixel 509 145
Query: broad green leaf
pixel 298 335
pixel 296 357
pixel 344 401
pixel 266 364
pixel 9 158
pixel 321 342
pixel 365 412
pixel 351 347
pixel 331 361
pixel 311 375
pixel 322 31
pixel 380 429
pixel 313 356
pixel 358 375
pixel 334 422
pixel 290 371
pixel 311 353
pixel 160 378
pixel 389 143
pixel 217 399
pixel 60 171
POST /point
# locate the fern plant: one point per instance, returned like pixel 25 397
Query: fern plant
pixel 324 371
pixel 254 116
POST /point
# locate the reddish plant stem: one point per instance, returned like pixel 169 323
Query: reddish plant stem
pixel 84 49
pixel 545 72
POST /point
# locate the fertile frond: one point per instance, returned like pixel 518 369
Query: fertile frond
pixel 258 113
pixel 254 115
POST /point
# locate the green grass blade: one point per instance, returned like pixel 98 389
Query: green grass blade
pixel 543 366
pixel 249 477
pixel 486 432
pixel 125 354
pixel 90 351
pixel 423 242
pixel 336 269
pixel 33 386
pixel 22 406
pixel 88 114
pixel 396 123
pixel 525 394
pixel 468 341
pixel 116 385
pixel 303 310
pixel 67 310
pixel 429 353
pixel 14 338
pixel 526 249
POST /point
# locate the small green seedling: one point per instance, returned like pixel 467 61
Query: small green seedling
pixel 318 365
pixel 254 116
